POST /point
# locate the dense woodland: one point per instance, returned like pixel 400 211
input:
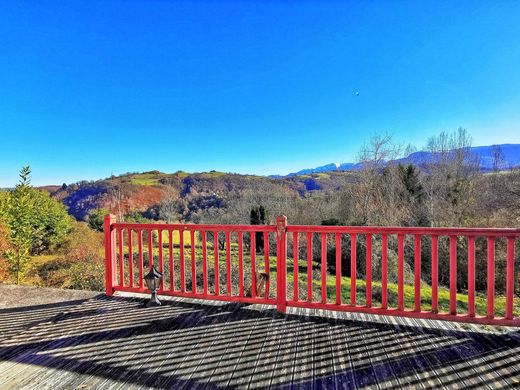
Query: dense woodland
pixel 52 236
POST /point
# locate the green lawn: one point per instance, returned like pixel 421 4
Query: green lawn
pixel 145 179
pixel 409 290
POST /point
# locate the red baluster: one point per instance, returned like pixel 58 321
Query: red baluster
pixel 400 272
pixel 368 289
pixel 309 267
pixel 295 271
pixel 130 258
pixel 471 276
pixel 417 273
pixel 323 268
pixel 491 277
pixel 181 261
pixel 453 275
pixel 121 258
pixel 161 264
pixel 435 274
pixel 170 253
pixel 241 264
pixel 384 271
pixel 204 263
pixel 216 268
pixel 193 263
pixel 228 262
pixel 510 277
pixel 338 269
pixel 353 276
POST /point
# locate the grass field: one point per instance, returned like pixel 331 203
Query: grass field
pixel 154 178
pixel 145 179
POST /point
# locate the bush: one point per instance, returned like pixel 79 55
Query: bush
pixel 49 272
pixel 82 244
pixel 78 265
pixel 61 272
pixel 85 276
pixel 4 247
pixel 4 270
pixel 96 219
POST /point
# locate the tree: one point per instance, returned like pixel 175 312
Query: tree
pixel 413 194
pixel 4 247
pixel 331 222
pixel 169 207
pixel 373 158
pixel 96 219
pixel 82 244
pixel 258 216
pixel 16 210
pixel 36 222
pixel 497 157
pixel 116 194
pixel 451 177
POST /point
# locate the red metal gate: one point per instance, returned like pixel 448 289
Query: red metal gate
pixel 209 262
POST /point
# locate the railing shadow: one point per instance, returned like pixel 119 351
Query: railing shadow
pixel 16 319
pixel 185 344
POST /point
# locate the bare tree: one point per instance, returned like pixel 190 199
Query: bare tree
pixel 117 198
pixel 409 150
pixel 450 178
pixel 373 158
pixel 169 206
pixel 277 199
pixel 497 157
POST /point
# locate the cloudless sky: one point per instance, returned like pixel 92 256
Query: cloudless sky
pixel 92 88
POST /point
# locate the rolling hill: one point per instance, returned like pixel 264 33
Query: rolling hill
pixel 141 192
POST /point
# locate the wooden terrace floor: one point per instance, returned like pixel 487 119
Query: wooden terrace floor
pixel 117 343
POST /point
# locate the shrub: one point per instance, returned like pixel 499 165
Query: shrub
pixel 85 276
pixel 78 264
pixel 4 247
pixel 96 219
pixel 82 244
pixel 61 272
pixel 49 272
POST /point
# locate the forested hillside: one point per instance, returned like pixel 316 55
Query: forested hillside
pixel 144 193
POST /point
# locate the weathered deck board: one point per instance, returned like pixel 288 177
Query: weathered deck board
pixel 302 364
pixel 116 343
pixel 382 344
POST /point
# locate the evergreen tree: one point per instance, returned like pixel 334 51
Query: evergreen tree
pixel 413 194
pixel 35 222
pixel 96 219
pixel 258 216
pixel 16 209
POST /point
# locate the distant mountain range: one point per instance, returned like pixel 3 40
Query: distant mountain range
pixel 510 159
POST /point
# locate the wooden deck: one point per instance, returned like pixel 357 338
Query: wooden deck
pixel 116 343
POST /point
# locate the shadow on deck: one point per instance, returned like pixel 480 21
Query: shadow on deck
pixel 117 342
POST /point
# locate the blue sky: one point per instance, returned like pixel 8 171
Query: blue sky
pixel 92 88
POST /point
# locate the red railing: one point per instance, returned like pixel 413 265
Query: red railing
pixel 181 252
pixel 223 262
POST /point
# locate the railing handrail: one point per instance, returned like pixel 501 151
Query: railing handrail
pixel 345 229
pixel 437 231
pixel 194 227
